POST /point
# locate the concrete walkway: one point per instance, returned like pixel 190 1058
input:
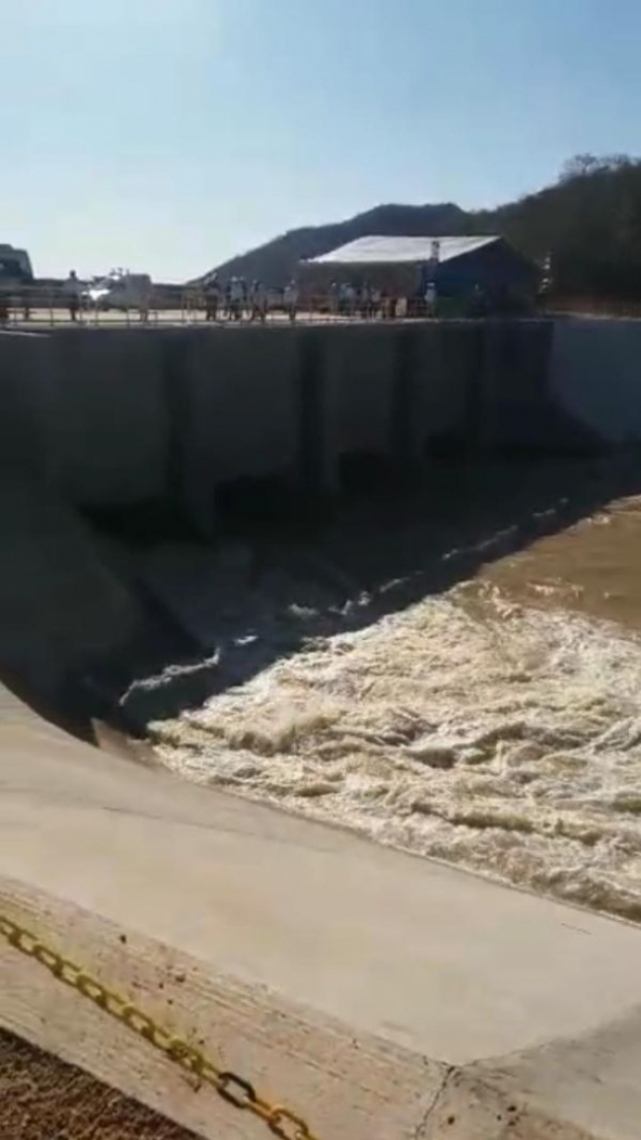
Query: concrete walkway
pixel 535 1000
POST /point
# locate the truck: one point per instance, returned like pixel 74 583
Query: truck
pixel 15 267
pixel 120 290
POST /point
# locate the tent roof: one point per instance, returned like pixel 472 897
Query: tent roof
pixel 377 250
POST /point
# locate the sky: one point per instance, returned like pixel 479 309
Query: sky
pixel 168 135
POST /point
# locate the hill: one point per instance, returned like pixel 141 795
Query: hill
pixel 277 260
pixel 589 221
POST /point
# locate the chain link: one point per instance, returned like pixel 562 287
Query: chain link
pixel 230 1086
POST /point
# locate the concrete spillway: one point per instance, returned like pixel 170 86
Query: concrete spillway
pixel 166 416
pixel 185 411
pixel 379 995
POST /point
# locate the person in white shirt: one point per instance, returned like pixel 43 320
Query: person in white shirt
pixel 334 299
pixel 236 298
pixel 212 298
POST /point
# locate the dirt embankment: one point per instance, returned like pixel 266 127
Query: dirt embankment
pixel 42 1098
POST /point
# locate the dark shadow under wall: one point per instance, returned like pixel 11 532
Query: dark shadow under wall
pixel 382 546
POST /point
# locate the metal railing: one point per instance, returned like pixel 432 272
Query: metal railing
pixel 34 306
pixel 39 307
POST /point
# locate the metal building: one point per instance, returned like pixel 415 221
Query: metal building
pixel 404 266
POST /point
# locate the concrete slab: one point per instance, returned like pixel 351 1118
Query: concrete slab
pixel 595 375
pixel 359 371
pixel 231 870
pixel 108 424
pixel 238 410
pixel 243 406
pixel 25 396
pixel 514 406
pixel 441 360
pixel 430 960
pixel 343 1083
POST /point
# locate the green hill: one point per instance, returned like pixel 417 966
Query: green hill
pixel 589 221
pixel 277 260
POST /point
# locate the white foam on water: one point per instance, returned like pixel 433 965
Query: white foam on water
pixel 501 738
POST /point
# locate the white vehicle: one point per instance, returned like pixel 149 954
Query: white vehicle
pixel 121 290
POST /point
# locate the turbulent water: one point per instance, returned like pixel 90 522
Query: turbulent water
pixel 489 726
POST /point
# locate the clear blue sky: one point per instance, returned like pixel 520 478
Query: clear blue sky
pixel 167 135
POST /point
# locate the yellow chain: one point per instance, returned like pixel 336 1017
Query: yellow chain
pixel 232 1087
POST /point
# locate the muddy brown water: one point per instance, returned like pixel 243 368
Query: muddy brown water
pixel 592 568
pixel 455 674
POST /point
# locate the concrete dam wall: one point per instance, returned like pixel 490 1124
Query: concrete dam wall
pixel 115 419
pixel 132 416
pixel 595 377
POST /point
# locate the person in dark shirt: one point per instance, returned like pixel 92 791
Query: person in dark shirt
pixel 212 298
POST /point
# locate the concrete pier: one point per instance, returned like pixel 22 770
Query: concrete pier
pixel 382 997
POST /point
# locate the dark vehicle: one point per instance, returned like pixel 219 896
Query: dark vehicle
pixel 15 267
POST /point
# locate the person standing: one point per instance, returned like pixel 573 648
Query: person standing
pixel 253 301
pixel 72 292
pixel 364 300
pixel 334 299
pixel 244 297
pixel 259 302
pixel 430 299
pixel 236 298
pixel 350 299
pixel 290 298
pixel 212 298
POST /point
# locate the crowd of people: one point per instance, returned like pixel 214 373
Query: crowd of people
pixel 236 300
pixel 347 300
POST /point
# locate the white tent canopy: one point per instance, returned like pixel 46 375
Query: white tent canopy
pixel 375 250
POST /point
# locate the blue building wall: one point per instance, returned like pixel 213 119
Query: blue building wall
pixel 494 269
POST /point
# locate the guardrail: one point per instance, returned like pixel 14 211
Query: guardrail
pixel 35 306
